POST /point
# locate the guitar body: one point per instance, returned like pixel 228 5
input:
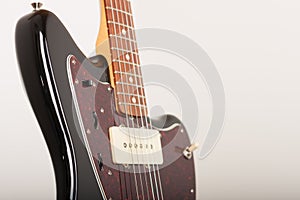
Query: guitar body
pixel 73 100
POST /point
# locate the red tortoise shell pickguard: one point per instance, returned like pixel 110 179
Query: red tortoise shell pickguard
pixel 177 179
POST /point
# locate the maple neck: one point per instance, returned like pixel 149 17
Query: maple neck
pixel 125 69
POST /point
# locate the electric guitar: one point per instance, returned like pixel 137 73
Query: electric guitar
pixel 93 112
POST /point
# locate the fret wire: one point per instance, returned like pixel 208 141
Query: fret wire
pixel 120 24
pixel 128 74
pixel 124 50
pixel 118 10
pixel 128 94
pixel 132 104
pixel 110 18
pixel 125 62
pixel 127 7
pixel 122 32
pixel 123 38
pixel 147 125
pixel 130 79
pixel 150 127
pixel 129 84
pixel 127 70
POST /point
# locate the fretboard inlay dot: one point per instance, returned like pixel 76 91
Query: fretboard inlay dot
pixel 124 32
pixel 127 57
pixel 128 82
pixel 130 79
pixel 133 100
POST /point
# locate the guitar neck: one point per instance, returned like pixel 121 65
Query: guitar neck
pixel 117 33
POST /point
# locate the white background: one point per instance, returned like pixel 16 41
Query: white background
pixel 255 46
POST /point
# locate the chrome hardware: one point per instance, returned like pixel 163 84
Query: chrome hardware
pixel 88 83
pixel 188 152
pixel 126 166
pixel 36 6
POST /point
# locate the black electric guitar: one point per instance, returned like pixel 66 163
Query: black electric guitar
pixel 93 112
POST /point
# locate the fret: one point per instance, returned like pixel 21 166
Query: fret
pixel 126 69
pixel 122 35
pixel 118 10
pixel 127 77
pixel 125 6
pixel 132 104
pixel 125 62
pixel 121 31
pixel 130 98
pixel 127 74
pixel 129 84
pixel 131 95
pixel 124 51
pixel 120 24
pixel 130 89
pixel 123 38
pixel 122 18
pixel 129 59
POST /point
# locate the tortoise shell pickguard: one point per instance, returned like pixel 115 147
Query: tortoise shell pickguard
pixel 174 180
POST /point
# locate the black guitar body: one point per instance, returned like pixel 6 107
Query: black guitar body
pixel 41 35
pixel 43 46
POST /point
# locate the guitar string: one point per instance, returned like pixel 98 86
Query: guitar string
pixel 157 171
pixel 147 123
pixel 141 112
pixel 149 168
pixel 122 174
pixel 119 118
pixel 130 138
pixel 128 91
pixel 129 47
pixel 125 109
pixel 142 122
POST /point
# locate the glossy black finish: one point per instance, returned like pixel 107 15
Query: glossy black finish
pixel 43 45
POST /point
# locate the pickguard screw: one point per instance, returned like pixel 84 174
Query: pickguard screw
pixel 192 191
pixel 109 173
pixel 102 110
pixel 76 81
pixel 126 166
pixel 88 131
pixel 109 89
pixel 182 131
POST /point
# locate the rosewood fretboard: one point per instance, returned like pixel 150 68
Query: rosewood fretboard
pixel 125 63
